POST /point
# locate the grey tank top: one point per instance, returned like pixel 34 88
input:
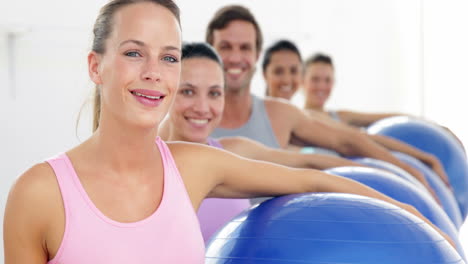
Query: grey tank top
pixel 258 127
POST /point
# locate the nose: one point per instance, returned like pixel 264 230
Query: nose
pixel 151 71
pixel 201 105
pixel 234 56
pixel 288 79
pixel 323 85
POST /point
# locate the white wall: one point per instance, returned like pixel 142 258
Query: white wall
pixel 375 45
pixel 385 53
pixel 446 64
pixel 445 69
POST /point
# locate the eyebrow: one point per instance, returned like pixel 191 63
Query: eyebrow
pixel 139 43
pixel 188 84
pixel 233 42
pixel 215 87
pixel 169 48
pixel 142 44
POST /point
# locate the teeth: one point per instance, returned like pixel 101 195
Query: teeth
pixel 198 121
pixel 234 70
pixel 147 96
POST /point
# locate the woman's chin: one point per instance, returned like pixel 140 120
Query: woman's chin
pixel 199 139
pixel 147 124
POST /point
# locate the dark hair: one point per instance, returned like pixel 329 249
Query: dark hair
pixel 200 50
pixel 319 58
pixel 226 15
pixel 279 46
pixel 103 28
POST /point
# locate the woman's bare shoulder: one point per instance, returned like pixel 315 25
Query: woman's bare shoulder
pixel 35 193
pixel 195 152
pixel 34 199
pixel 36 182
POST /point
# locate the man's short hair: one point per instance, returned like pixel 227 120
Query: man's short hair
pixel 226 15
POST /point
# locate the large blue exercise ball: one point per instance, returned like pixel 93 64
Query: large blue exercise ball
pixel 433 139
pixel 403 191
pixel 380 164
pixel 328 228
pixel 446 198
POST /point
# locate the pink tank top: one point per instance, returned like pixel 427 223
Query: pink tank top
pixel 214 213
pixel 170 235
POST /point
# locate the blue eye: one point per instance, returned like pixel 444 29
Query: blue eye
pixel 170 59
pixel 133 54
pixel 215 94
pixel 186 92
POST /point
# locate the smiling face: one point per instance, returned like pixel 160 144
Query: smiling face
pixel 318 84
pixel 283 74
pixel 199 103
pixel 236 46
pixel 138 73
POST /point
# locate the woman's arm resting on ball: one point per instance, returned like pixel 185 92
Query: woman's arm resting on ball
pixel 254 150
pixel 361 119
pixel 350 142
pixel 230 176
pixel 429 159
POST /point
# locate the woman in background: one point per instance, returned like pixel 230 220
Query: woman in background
pixel 319 79
pixel 197 111
pixel 282 67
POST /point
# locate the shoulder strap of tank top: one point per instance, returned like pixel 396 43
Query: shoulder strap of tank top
pixel 260 120
pixel 259 114
pixel 61 166
pixel 166 155
pixel 170 167
pixel 63 174
pixel 256 102
pixel 171 171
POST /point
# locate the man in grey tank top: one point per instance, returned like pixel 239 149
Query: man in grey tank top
pixel 235 34
pixel 258 126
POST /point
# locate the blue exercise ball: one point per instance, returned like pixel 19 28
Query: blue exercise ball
pixel 328 228
pixel 446 198
pixel 403 191
pixel 432 139
pixel 380 164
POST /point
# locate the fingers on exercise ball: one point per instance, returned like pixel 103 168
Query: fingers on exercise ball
pixel 435 140
pixel 446 197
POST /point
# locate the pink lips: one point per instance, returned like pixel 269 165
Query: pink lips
pixel 150 98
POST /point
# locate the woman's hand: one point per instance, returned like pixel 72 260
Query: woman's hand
pixel 422 179
pixel 434 163
pixel 415 212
